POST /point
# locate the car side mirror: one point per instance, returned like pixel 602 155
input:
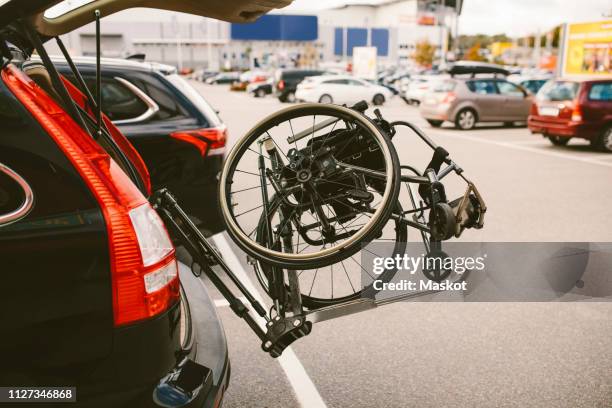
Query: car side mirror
pixel 16 196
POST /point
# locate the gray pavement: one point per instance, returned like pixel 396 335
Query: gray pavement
pixel 449 354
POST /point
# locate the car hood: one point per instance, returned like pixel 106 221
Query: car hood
pixel 239 11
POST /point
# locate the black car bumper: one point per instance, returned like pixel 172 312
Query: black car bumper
pixel 148 357
pixel 206 339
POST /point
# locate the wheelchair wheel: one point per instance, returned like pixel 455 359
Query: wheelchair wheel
pixel 309 170
pixel 343 281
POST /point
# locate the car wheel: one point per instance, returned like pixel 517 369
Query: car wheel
pixel 326 99
pixel 260 93
pixel 558 140
pixel 466 119
pixel 378 99
pixel 435 123
pixel 290 97
pixel 604 143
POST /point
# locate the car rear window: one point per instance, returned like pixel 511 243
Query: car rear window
pixel 196 98
pixel 118 102
pixel 601 92
pixel 558 91
pixel 169 108
pixel 444 86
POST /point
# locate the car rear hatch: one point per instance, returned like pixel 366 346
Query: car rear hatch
pixel 53 17
pixel 556 102
pixel 442 92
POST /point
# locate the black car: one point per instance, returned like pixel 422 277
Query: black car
pixel 179 136
pixel 260 89
pixel 287 80
pixel 223 78
pixel 95 295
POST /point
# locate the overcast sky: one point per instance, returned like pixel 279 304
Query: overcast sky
pixel 512 17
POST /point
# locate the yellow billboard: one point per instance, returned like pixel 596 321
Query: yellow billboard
pixel 498 48
pixel 588 49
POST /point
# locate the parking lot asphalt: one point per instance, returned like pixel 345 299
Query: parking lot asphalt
pixel 450 354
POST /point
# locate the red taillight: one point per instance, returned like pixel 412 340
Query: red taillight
pixel 576 113
pixel 281 85
pixel 143 266
pixel 123 143
pixel 534 109
pixel 449 97
pixel 209 141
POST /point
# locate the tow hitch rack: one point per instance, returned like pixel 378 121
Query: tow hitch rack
pixel 280 331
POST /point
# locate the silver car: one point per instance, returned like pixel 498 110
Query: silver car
pixel 466 102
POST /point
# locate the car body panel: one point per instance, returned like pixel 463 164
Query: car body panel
pixel 50 287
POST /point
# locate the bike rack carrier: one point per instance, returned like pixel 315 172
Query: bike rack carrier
pixel 280 331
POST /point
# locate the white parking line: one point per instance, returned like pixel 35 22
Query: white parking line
pixel 225 303
pixel 304 389
pixel 532 149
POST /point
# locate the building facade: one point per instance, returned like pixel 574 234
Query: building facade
pixel 282 39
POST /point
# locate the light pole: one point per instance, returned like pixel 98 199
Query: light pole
pixel 442 24
pixel 208 43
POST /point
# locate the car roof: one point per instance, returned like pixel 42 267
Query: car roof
pixel 326 77
pixel 122 64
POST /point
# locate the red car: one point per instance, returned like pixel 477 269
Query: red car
pixel 567 108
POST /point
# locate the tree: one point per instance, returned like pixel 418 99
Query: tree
pixel 424 53
pixel 473 53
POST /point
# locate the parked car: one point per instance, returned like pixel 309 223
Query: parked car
pixel 414 89
pixel 203 74
pixel 248 77
pixel 96 297
pixel 395 79
pixel 223 78
pixel 532 83
pixel 467 101
pixel 341 89
pixel 178 134
pixel 568 108
pixel 286 81
pixel 261 89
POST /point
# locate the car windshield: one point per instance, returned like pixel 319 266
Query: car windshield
pixel 195 97
pixel 558 91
